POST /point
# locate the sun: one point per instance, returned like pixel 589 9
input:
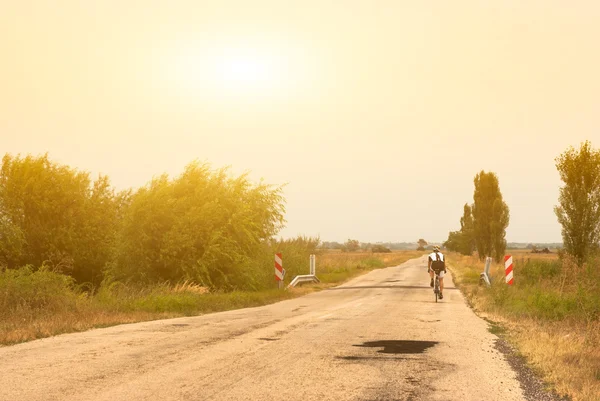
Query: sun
pixel 230 72
pixel 245 70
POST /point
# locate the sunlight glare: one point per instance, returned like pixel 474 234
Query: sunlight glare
pixel 230 73
pixel 245 70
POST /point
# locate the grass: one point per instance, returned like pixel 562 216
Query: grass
pixel 38 304
pixel 551 314
pixel 495 327
pixel 337 267
pixel 526 254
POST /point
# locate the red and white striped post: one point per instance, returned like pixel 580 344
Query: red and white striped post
pixel 508 269
pixel 279 271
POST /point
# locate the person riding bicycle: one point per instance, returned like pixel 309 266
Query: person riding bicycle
pixel 437 264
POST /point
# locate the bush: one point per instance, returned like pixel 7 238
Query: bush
pixel 36 291
pixel 51 213
pixel 551 290
pixel 351 245
pixel 205 226
pixel 380 249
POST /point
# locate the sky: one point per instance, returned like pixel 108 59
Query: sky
pixel 375 114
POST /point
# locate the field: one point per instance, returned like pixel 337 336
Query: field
pixel 334 267
pixel 527 254
pixel 551 315
pixel 37 304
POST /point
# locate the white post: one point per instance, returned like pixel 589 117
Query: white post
pixel 485 276
pixel 305 278
pixel 488 263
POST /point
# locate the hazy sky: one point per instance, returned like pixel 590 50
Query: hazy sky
pixel 377 114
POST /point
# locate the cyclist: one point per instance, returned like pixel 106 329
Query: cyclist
pixel 437 263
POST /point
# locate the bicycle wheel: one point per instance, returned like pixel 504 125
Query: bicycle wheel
pixel 436 289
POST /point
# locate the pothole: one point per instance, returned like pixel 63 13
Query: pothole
pixel 369 358
pixel 399 346
pixel 429 321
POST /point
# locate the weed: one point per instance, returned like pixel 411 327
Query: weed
pixel 551 314
pixel 42 303
pixel 495 327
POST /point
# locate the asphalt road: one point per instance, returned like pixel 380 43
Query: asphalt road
pixel 379 337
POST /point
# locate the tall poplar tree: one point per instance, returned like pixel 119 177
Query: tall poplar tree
pixel 490 216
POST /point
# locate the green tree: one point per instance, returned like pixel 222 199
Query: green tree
pixel 462 241
pixel 454 241
pixel 579 200
pixel 378 248
pixel 12 242
pixel 97 230
pixel 205 226
pixel 331 245
pixel 352 245
pixel 365 246
pixel 56 216
pixel 467 243
pixel 490 216
pixel 422 244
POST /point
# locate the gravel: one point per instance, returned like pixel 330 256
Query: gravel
pixel 534 389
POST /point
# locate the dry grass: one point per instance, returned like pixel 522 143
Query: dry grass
pixel 16 330
pixel 63 309
pixel 27 325
pixel 526 253
pixel 566 353
pixel 565 350
pixel 188 286
pixel 337 267
pixel 388 259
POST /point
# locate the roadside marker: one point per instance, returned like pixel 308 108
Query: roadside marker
pixel 485 276
pixel 508 269
pixel 279 271
pixel 305 278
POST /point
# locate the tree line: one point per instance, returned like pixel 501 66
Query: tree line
pixel 484 222
pixel 353 245
pixel 215 229
pixel 205 225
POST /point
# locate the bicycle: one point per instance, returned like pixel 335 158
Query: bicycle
pixel 436 285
